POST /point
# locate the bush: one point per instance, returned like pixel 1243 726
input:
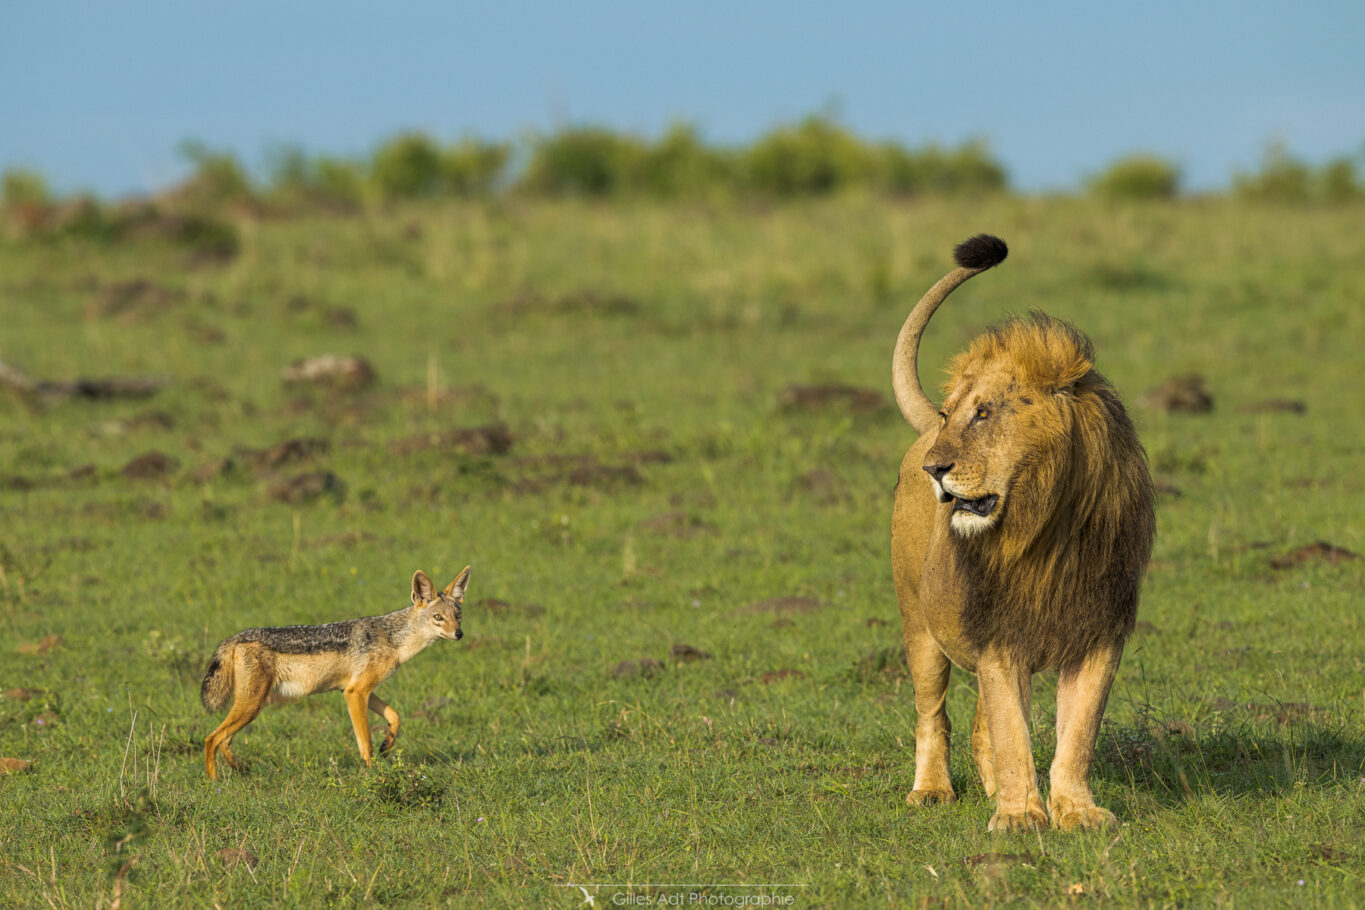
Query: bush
pixel 20 187
pixel 1338 181
pixel 582 161
pixel 25 203
pixel 217 179
pixel 934 170
pixel 1282 178
pixel 396 785
pixel 28 209
pixel 680 164
pixel 1285 178
pixel 338 181
pixel 406 167
pixel 1140 176
pixel 80 216
pixel 473 167
pixel 815 157
pixel 299 180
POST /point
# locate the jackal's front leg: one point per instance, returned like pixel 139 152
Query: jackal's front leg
pixel 357 702
pixel 390 716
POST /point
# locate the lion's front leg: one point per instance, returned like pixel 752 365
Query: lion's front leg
pixel 1081 696
pixel 1004 688
pixel 981 747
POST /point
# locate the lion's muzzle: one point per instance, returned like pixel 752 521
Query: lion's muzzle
pixel 981 507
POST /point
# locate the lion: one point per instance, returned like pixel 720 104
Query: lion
pixel 1023 523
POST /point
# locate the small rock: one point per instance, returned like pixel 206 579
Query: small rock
pixel 22 694
pixel 645 666
pixel 1179 395
pixel 308 487
pixel 288 452
pixel 687 653
pixel 1320 551
pixel 41 647
pixel 1277 406
pixel 817 397
pixel 149 466
pixel 212 470
pixel 489 439
pixel 232 856
pixel 336 371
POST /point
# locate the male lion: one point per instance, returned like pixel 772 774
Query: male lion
pixel 1023 523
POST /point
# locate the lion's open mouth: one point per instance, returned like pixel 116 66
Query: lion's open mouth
pixel 981 507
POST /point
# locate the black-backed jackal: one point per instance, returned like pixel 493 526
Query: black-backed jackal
pixel 355 656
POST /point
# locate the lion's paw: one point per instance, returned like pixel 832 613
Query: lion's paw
pixel 1083 818
pixel 1033 818
pixel 929 797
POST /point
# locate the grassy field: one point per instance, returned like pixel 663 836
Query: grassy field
pixel 681 659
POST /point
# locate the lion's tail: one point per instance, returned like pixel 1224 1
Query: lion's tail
pixel 217 685
pixel 972 256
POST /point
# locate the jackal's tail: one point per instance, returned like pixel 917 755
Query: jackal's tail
pixel 217 685
pixel 973 256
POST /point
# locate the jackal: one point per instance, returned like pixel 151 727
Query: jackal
pixel 355 656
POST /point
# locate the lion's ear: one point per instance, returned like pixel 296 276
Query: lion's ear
pixel 1071 375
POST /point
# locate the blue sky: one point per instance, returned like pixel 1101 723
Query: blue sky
pixel 100 95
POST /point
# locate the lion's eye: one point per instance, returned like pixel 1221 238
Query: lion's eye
pixel 981 414
pixel 943 417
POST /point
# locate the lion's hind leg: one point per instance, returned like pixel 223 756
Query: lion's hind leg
pixel 929 670
pixel 1081 696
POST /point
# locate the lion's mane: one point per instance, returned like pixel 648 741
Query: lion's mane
pixel 1059 576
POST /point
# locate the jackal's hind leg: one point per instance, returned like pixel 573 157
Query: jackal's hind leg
pixel 390 716
pixel 246 704
pixel 233 761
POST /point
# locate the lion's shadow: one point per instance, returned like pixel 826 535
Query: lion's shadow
pixel 1251 751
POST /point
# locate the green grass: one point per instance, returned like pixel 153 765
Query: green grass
pixel 658 492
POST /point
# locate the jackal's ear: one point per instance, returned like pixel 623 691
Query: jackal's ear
pixel 422 588
pixel 456 588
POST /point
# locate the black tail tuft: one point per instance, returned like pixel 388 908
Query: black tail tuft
pixel 981 252
pixel 212 692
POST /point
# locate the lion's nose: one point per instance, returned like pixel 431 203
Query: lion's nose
pixel 459 633
pixel 937 471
